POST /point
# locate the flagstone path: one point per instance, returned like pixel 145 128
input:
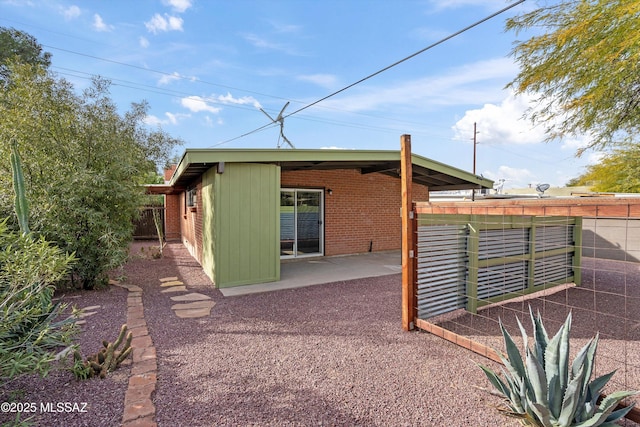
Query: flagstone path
pixel 193 305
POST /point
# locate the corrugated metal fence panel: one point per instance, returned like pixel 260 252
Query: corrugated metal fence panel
pixel 442 269
pixel 503 257
pixel 503 243
pixel 553 237
pixel 553 269
pixel 502 279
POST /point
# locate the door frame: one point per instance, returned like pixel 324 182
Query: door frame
pixel 295 191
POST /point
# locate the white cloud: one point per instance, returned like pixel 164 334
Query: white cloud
pixel 152 120
pixel 175 118
pixel 178 5
pixel 168 78
pixel 328 81
pixel 473 83
pixel 159 23
pixel 100 25
pixel 263 43
pixel 229 99
pixel 144 42
pixel 504 123
pixel 71 12
pixel 171 119
pixel 500 124
pixel 197 104
pixel 514 177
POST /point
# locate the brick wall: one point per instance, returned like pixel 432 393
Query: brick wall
pixel 191 222
pixel 362 210
pixel 172 216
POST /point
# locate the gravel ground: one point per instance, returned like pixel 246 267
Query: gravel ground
pixel 331 354
pixel 104 398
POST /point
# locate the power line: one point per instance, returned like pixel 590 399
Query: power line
pixel 168 92
pixel 431 46
pixel 178 94
pixel 163 73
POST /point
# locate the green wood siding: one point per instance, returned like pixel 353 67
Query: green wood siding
pixel 242 245
pixel 208 223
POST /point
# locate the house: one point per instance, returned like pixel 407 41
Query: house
pixel 241 211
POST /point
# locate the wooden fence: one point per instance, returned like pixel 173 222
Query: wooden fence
pixel 144 227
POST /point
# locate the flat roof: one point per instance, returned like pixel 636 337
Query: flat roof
pixel 437 176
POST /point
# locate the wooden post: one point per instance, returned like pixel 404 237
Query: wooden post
pixel 408 260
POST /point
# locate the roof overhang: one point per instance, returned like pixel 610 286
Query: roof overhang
pixel 437 176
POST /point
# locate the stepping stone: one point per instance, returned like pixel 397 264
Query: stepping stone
pixel 174 289
pixel 87 314
pixel 171 283
pixel 168 279
pixel 192 305
pixel 191 297
pixel 93 307
pixel 133 288
pixel 193 313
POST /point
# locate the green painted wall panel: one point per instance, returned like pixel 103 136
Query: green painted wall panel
pixel 246 224
pixel 208 223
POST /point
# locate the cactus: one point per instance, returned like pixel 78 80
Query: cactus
pixel 545 390
pixel 21 203
pixel 106 360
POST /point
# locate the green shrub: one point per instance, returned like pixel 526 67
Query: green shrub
pixel 545 390
pixel 31 329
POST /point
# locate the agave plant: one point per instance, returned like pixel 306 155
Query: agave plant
pixel 545 390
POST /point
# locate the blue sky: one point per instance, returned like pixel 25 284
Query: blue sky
pixel 207 66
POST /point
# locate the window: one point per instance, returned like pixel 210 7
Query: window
pixel 192 197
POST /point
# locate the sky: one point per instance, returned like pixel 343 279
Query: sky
pixel 208 67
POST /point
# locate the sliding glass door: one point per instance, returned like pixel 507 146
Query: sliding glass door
pixel 301 223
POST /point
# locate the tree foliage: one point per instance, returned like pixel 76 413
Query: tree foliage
pixel 584 68
pixel 18 46
pixel 618 171
pixel 83 164
pixel 31 330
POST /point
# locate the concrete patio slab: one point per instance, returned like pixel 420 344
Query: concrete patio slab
pixel 302 272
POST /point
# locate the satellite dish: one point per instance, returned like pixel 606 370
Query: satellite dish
pixel 280 120
pixel 541 188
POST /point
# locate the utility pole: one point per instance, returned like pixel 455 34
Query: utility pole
pixel 475 142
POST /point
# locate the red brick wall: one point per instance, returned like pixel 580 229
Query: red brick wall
pixel 191 223
pixel 172 215
pixel 361 209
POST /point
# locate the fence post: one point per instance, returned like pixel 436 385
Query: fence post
pixel 577 251
pixel 408 260
pixel 473 247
